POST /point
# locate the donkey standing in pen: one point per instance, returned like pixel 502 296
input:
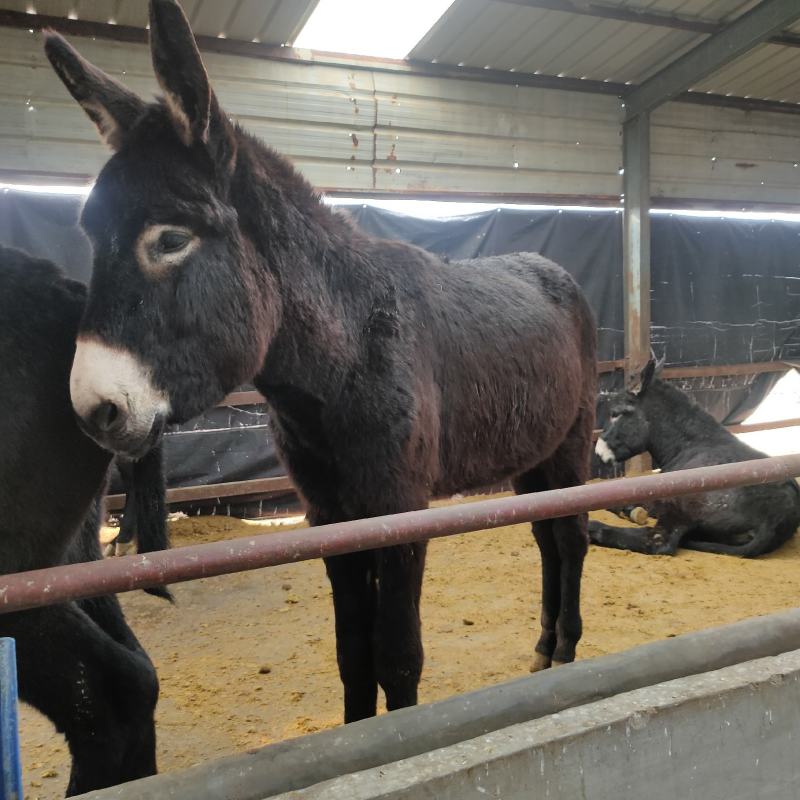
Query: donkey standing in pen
pixel 79 663
pixel 660 419
pixel 391 374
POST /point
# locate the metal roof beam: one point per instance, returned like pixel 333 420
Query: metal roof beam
pixel 735 40
pixel 642 16
pixel 622 14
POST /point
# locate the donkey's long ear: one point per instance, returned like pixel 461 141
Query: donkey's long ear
pixel 645 378
pixel 180 71
pixel 111 106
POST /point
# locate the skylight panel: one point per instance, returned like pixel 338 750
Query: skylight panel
pixel 380 28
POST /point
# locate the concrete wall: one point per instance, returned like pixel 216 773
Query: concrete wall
pixel 423 740
pixel 731 734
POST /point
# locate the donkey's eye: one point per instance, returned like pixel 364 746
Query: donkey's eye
pixel 614 417
pixel 160 248
pixel 173 241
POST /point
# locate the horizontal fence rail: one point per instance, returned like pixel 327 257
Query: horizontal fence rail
pixel 72 581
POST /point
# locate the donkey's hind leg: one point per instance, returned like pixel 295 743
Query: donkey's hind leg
pixel 535 481
pixel 352 578
pixel 398 634
pixel 70 670
pixel 763 539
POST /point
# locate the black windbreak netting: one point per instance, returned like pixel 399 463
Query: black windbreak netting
pixel 724 291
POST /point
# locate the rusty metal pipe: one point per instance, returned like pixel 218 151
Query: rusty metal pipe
pixel 72 581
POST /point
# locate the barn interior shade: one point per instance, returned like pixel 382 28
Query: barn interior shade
pixel 380 28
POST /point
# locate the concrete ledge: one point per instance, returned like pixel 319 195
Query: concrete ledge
pixel 309 760
pixel 731 734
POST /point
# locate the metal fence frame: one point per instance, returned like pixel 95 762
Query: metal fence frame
pixel 72 581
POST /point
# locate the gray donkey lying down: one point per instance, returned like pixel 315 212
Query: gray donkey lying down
pixel 657 418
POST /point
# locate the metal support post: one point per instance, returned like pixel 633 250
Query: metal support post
pixel 10 765
pixel 636 253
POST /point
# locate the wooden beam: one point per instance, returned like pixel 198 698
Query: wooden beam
pixel 752 428
pixel 211 491
pixel 610 366
pixel 765 426
pixel 714 370
pixel 243 399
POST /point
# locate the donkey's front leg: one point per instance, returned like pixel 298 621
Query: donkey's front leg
pixel 662 540
pixel 397 636
pixel 352 578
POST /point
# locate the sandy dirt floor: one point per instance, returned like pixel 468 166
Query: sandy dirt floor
pixel 248 659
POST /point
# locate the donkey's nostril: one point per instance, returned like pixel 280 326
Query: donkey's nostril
pixel 105 416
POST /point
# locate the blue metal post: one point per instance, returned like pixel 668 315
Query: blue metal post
pixel 10 764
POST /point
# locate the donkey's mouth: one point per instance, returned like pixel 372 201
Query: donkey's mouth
pixel 605 452
pixel 125 442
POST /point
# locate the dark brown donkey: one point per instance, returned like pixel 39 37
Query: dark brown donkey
pixel 392 375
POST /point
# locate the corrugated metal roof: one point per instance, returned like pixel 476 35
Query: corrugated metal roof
pixel 512 36
pixel 505 35
pixel 269 21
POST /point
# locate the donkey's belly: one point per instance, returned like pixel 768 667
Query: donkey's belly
pixel 489 451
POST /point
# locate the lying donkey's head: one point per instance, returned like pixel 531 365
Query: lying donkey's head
pixel 177 305
pixel 627 432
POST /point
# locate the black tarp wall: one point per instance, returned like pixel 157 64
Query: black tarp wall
pixel 723 291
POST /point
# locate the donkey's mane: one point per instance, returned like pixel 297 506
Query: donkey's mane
pixel 280 173
pixel 683 412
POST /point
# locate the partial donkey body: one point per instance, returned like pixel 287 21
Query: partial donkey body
pixel 79 663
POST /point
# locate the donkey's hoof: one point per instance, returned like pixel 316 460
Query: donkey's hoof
pixel 638 515
pixel 125 549
pixel 559 663
pixel 110 550
pixel 540 662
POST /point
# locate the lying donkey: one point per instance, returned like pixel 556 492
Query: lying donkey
pixel 745 521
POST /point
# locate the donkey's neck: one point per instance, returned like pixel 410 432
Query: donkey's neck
pixel 312 252
pixel 676 424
